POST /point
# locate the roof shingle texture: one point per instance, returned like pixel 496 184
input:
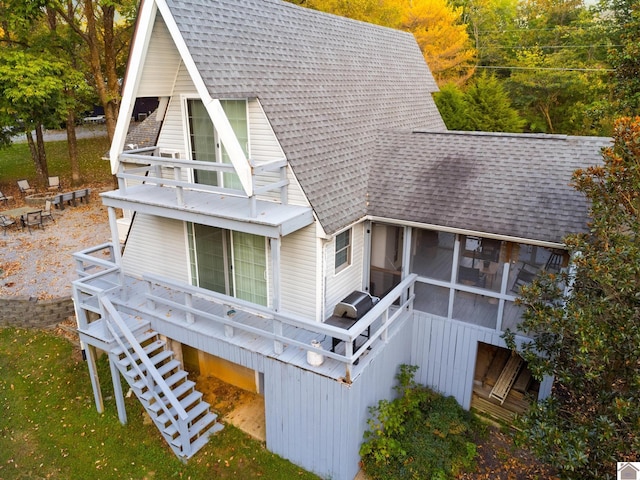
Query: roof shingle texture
pixel 328 85
pixel 504 184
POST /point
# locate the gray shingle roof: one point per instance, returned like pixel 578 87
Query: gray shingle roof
pixel 328 85
pixel 504 184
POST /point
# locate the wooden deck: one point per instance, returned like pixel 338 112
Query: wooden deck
pixel 242 334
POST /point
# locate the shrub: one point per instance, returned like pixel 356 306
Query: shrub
pixel 420 434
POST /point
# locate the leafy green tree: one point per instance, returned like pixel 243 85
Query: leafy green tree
pixel 623 18
pixel 31 96
pixel 104 27
pixel 588 335
pixel 551 97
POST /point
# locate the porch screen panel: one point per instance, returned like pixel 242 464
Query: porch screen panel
pixel 203 141
pixel 236 111
pixel 250 265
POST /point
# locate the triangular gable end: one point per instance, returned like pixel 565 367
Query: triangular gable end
pixel 135 72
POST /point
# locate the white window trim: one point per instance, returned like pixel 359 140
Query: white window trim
pixel 348 248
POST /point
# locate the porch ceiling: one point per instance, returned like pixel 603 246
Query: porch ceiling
pixel 234 213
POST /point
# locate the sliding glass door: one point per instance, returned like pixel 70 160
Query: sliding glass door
pixel 232 263
pixel 205 144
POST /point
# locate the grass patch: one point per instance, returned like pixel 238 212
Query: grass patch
pixel 16 163
pixel 49 427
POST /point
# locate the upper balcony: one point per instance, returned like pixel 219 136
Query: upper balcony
pixel 154 181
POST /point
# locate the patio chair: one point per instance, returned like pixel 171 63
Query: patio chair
pixel 525 276
pixel 32 219
pixel 54 184
pixel 25 188
pixel 6 222
pixel 46 213
pixel 5 198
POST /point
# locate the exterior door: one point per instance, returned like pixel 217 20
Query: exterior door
pixel 232 263
pixel 205 145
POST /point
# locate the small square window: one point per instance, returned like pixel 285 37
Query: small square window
pixel 343 250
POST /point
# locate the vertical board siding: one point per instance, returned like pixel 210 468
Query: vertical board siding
pixel 160 64
pixel 298 267
pixel 446 351
pixel 319 423
pixel 148 251
pixel 341 284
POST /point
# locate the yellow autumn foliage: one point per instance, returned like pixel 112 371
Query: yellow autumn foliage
pixel 436 25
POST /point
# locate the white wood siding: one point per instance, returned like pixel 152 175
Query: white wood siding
pixel 156 245
pixel 446 351
pixel 160 64
pixel 341 284
pixel 298 273
pixel 172 134
pixel 265 147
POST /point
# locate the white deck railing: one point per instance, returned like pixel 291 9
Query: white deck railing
pixel 284 330
pixel 155 170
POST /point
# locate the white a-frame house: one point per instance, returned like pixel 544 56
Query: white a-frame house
pixel 302 218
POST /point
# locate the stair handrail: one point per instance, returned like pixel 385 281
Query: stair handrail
pixel 114 317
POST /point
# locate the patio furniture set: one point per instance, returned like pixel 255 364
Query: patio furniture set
pixel 30 217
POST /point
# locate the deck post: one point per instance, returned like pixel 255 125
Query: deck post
pixel 115 239
pixel 188 302
pixel 95 380
pixel 117 389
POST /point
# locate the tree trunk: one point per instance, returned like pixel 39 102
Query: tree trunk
pixel 33 149
pixel 108 92
pixel 42 155
pixel 72 145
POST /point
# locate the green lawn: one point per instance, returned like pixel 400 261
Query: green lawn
pixel 49 427
pixel 16 163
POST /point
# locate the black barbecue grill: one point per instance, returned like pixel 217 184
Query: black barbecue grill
pixel 348 311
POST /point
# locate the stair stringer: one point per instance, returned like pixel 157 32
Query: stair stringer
pixel 160 383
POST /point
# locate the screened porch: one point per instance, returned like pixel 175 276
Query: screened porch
pixel 469 278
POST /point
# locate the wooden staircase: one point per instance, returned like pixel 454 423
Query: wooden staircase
pixel 169 397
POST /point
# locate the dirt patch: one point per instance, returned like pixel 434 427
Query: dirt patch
pixel 498 459
pixel 234 405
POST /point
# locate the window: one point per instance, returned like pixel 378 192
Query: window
pixel 205 145
pixel 343 250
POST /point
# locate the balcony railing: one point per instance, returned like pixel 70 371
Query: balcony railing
pixel 155 169
pixel 189 305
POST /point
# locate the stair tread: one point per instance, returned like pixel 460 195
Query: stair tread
pixel 197 443
pixel 162 370
pixel 197 428
pixel 140 338
pixel 152 347
pixel 191 414
pixel 186 402
pixel 178 392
